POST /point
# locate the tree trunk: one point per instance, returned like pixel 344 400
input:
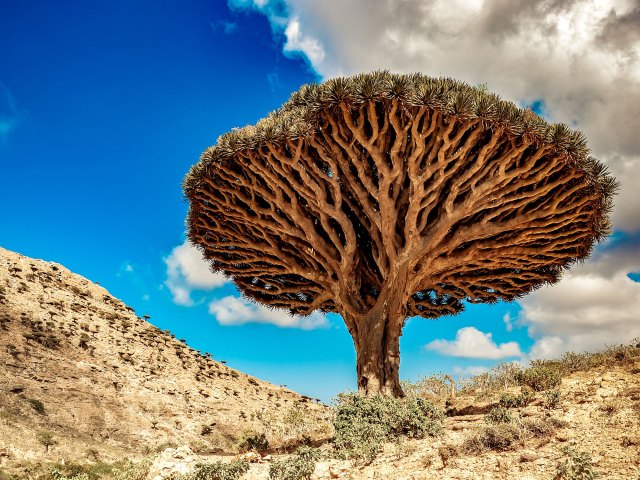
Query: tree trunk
pixel 376 337
pixel 378 362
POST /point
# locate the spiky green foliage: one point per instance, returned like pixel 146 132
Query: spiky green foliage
pixel 298 118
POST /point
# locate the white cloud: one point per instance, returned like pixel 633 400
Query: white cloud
pixel 238 311
pixel 594 304
pixel 470 371
pixel 508 323
pixel 187 270
pixel 472 343
pixel 581 57
pixel 298 42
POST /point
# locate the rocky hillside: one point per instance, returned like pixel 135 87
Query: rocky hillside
pixel 82 377
pixel 582 426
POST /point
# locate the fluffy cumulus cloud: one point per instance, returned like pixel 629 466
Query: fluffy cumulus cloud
pixel 472 343
pixel 594 304
pixel 577 59
pixel 188 271
pixel 238 311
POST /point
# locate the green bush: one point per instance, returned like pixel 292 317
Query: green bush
pixel 57 475
pixel 295 467
pixel 551 399
pixel 508 400
pixel 363 424
pixel 46 439
pixel 133 471
pixel 255 442
pixel 498 415
pixel 539 378
pixel 576 466
pixel 217 471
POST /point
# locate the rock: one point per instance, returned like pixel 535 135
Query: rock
pixel 528 457
pixel 338 471
pixel 172 461
pixel 251 457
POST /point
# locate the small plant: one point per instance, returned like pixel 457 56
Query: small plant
pixel 133 471
pixel 551 399
pixel 576 466
pixel 498 415
pixel 295 467
pixel 37 405
pixel 47 440
pixel 524 398
pixel 499 437
pixel 217 471
pixel 610 408
pixel 84 341
pixel 539 378
pixel 255 442
pixel 57 475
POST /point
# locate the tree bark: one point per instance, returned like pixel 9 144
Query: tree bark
pixel 376 336
pixel 378 361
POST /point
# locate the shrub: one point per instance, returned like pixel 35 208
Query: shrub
pixel 46 440
pixel 539 378
pixel 57 475
pixel 499 437
pixel 551 399
pixel 255 442
pixel 37 405
pixel 505 435
pixel 498 415
pixel 217 471
pixel 295 467
pixel 524 398
pixel 576 466
pixel 133 471
pixel 363 424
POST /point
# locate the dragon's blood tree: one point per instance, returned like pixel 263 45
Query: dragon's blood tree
pixel 382 197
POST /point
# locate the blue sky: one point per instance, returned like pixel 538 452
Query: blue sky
pixel 105 105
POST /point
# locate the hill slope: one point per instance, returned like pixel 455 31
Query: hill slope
pixel 78 364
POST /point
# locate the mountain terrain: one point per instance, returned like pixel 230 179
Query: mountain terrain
pixel 81 371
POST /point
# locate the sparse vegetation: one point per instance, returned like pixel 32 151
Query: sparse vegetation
pixel 505 432
pixel 217 471
pixel 299 466
pixel 133 470
pixel 57 475
pixel 575 466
